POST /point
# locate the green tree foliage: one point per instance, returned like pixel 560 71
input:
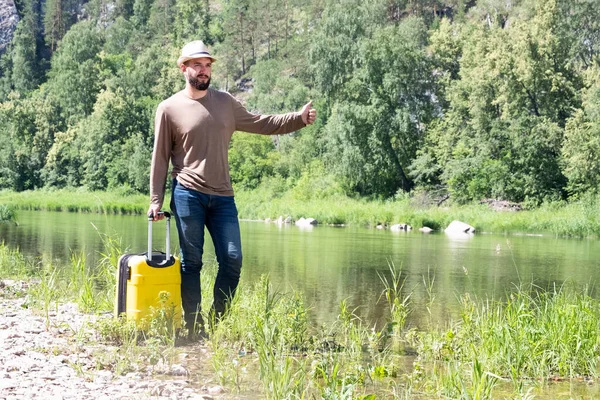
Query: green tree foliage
pixel 24 74
pixel 378 128
pixel 58 18
pixel 251 157
pixel 192 21
pixel 335 49
pixel 502 132
pixel 161 18
pixel 581 23
pixel 108 140
pixel 141 12
pixel 238 30
pixel 581 148
pixel 28 125
pixel 75 72
pixel 274 91
pixel 22 66
pixel 481 98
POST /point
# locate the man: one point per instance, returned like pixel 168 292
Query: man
pixel 193 129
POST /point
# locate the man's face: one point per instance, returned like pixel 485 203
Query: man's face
pixel 197 72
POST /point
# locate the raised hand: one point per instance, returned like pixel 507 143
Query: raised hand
pixel 309 114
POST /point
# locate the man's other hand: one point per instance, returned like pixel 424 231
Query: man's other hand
pixel 153 212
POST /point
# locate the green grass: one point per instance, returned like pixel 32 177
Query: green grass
pixel 76 200
pixel 577 219
pixel 533 334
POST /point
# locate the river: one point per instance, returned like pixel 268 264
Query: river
pixel 332 264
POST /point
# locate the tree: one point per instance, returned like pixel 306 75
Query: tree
pixel 29 126
pixel 238 29
pixel 141 12
pixel 162 16
pixel 74 75
pixel 581 148
pixel 192 21
pixel 335 47
pixel 581 24
pixel 251 158
pixel 58 18
pixel 105 140
pixel 24 75
pixel 377 130
pixel 502 131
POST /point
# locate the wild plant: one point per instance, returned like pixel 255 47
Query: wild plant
pixel 428 283
pixel 478 386
pixel 398 302
pixel 336 378
pixel 118 331
pixel 224 360
pixel 81 283
pixel 13 264
pixel 163 321
pixel 7 213
pixel 280 376
pixel 349 331
pixel 109 260
pixel 47 292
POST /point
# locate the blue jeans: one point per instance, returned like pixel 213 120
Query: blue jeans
pixel 193 211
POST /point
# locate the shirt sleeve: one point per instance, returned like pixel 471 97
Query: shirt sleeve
pixel 160 157
pixel 265 124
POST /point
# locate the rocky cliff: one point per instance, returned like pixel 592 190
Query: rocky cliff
pixel 8 22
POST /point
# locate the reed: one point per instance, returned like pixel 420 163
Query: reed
pixel 534 334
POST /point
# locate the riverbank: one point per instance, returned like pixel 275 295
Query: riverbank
pixel 63 360
pixel 577 219
pixel 63 341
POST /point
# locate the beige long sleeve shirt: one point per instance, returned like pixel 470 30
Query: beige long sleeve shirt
pixel 195 135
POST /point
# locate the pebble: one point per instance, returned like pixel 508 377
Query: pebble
pixel 40 363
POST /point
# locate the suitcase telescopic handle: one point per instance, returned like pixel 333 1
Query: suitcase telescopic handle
pixel 168 244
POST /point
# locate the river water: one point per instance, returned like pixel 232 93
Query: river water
pixel 332 264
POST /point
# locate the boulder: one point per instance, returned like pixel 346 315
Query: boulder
pixel 401 227
pixel 459 227
pixel 425 229
pixel 306 222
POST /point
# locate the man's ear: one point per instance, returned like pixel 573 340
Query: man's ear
pixel 183 67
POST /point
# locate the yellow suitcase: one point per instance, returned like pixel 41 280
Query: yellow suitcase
pixel 149 283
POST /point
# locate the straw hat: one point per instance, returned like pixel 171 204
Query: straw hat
pixel 195 49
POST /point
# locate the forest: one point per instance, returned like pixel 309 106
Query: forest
pixel 458 100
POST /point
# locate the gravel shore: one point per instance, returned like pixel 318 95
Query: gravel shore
pixel 45 358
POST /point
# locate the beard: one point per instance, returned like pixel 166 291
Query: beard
pixel 195 82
